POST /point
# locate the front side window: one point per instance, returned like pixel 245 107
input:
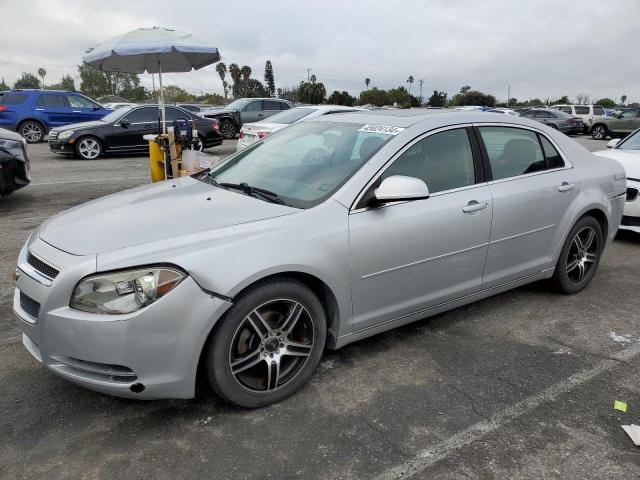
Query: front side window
pixel 76 101
pixel 304 163
pixel 443 161
pixel 512 151
pixel 52 101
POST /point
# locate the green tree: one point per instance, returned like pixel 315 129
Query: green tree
pixel 312 92
pixel 367 81
pixel 473 97
pixel 290 93
pixel 221 68
pixel 254 88
pixel 623 99
pixel 27 80
pixel 410 81
pixel 561 101
pixel 234 72
pixel 42 73
pixel 465 89
pixel 66 83
pixel 209 98
pixel 438 99
pixel 606 103
pixel 374 96
pixel 3 86
pixel 341 98
pixel 175 94
pixel 269 81
pixel 95 83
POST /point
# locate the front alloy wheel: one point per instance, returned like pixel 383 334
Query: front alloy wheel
pixel 599 132
pixel 267 345
pixel 89 148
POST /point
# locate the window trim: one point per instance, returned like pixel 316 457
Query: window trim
pixel 487 164
pixel 477 162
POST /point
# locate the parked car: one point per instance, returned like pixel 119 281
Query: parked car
pixel 32 113
pixel 589 114
pixel 14 162
pixel 555 119
pixel 328 232
pixel 122 131
pixel 245 110
pixel 627 152
pixel 622 124
pixel 253 132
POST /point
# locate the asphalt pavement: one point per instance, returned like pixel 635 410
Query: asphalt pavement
pixel 520 385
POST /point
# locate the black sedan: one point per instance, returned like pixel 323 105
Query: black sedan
pixel 14 163
pixel 122 131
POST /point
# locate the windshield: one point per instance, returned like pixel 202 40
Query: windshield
pixel 290 116
pixel 238 104
pixel 115 115
pixel 632 142
pixel 304 163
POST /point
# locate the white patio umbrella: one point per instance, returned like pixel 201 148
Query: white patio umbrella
pixel 152 50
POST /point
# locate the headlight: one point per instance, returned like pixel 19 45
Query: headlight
pixel 65 134
pixel 9 144
pixel 126 291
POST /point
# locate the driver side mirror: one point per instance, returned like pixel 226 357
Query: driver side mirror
pixel 125 123
pixel 619 116
pixel 613 143
pixel 399 187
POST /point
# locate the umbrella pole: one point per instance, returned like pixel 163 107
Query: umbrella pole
pixel 164 125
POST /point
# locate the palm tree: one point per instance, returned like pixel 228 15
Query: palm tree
pixel 623 99
pixel 367 81
pixel 42 73
pixel 410 80
pixel 221 68
pixel 245 71
pixel 234 71
pixel 313 79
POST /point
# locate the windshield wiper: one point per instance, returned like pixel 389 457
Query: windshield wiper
pixel 268 195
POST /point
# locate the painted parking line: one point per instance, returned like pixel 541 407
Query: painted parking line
pixel 94 180
pixel 432 455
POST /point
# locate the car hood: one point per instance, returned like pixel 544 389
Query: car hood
pixel 630 160
pixel 78 126
pixel 153 212
pixel 9 135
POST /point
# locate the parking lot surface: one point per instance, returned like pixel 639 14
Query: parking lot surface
pixel 520 385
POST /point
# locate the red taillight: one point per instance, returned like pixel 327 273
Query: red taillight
pixel 3 108
pixel 262 134
pixel 241 132
pixel 215 126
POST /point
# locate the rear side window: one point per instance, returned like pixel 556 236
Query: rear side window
pixel 13 98
pixel 443 161
pixel 543 114
pixel 270 105
pixel 598 110
pixel 253 107
pixel 174 114
pixel 512 151
pixel 554 160
pixel 581 110
pixel 284 106
pixel 566 109
pixel 143 115
pixel 52 101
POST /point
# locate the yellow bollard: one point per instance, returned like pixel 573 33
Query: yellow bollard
pixel 156 159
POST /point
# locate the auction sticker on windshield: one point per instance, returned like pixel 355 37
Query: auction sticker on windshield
pixel 386 129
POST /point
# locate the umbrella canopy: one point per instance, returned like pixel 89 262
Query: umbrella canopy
pixel 151 50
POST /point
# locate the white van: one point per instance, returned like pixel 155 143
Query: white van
pixel 588 113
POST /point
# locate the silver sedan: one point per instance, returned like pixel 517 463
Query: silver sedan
pixel 324 233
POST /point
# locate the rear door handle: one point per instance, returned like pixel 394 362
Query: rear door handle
pixel 40 109
pixel 474 206
pixel 566 187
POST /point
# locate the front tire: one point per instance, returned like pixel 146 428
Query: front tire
pixel 599 132
pixel 228 129
pixel 579 257
pixel 267 345
pixel 88 148
pixel 32 131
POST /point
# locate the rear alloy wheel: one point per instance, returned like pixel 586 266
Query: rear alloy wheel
pixel 32 131
pixel 88 148
pixel 580 256
pixel 199 144
pixel 227 129
pixel 268 344
pixel 599 132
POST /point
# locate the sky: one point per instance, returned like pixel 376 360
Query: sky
pixel 541 48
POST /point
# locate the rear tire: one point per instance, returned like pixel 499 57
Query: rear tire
pixel 32 131
pixel 88 148
pixel 200 145
pixel 258 354
pixel 599 132
pixel 579 257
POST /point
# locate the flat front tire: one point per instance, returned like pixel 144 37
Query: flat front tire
pixel 267 345
pixel 579 257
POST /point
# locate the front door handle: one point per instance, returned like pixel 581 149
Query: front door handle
pixel 566 187
pixel 474 206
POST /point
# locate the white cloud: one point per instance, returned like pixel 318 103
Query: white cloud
pixel 543 48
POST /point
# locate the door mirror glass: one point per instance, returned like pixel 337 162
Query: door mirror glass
pixel 125 123
pixel 613 143
pixel 400 187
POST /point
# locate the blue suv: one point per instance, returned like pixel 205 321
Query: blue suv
pixel 32 113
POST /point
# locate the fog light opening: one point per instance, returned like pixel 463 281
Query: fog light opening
pixel 137 388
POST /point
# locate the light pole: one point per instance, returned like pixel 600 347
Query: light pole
pixel 308 86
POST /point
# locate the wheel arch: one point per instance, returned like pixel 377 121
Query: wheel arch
pixel 32 119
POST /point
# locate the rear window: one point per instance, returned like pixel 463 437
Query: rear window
pixel 581 110
pixel 13 98
pixel 598 110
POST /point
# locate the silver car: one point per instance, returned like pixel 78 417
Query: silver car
pixel 324 233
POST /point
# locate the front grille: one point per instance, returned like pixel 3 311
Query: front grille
pixel 632 194
pixel 42 267
pixel 29 305
pixel 628 221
